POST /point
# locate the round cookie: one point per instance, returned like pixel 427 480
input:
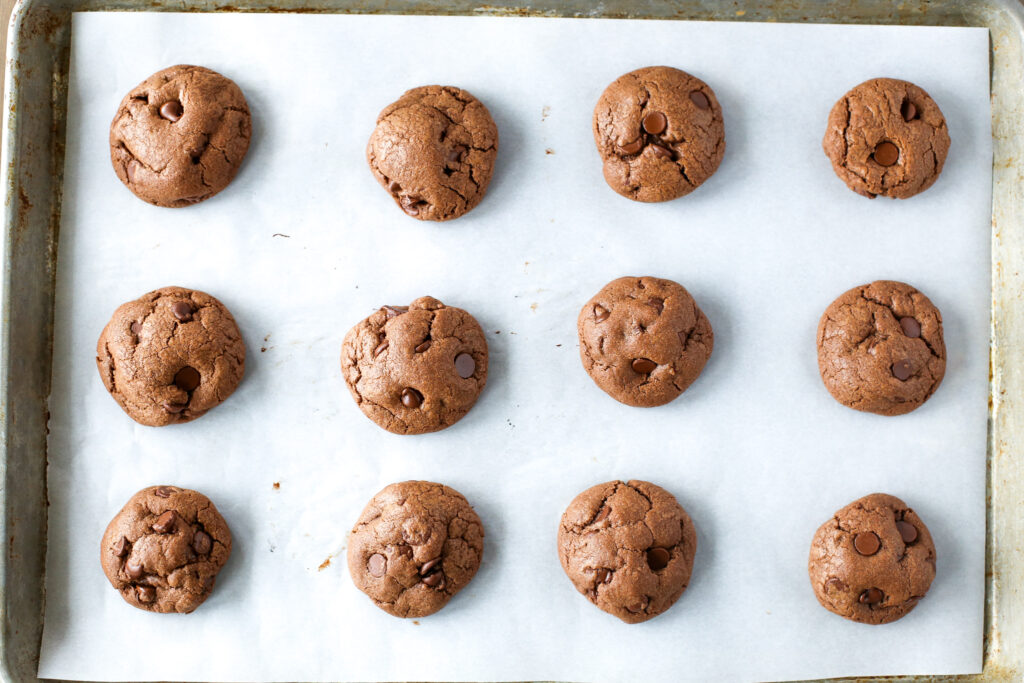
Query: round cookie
pixel 415 545
pixel 880 348
pixel 873 561
pixel 179 136
pixel 660 134
pixel 170 355
pixel 434 151
pixel 643 340
pixel 628 547
pixel 415 369
pixel 163 550
pixel 886 137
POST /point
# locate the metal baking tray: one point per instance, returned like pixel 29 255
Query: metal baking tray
pixel 38 52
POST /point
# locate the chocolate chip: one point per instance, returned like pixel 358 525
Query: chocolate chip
pixel 377 565
pixel 465 365
pixel 638 607
pixel 602 575
pixel 411 398
pixel 174 407
pixel 866 543
pixel 435 580
pixel 455 155
pixel 603 514
pixel 395 188
pixel 871 596
pixel 164 491
pixel 657 558
pixel 187 379
pixel 164 524
pixel 423 347
pixel 655 123
pixel 700 99
pixel 643 366
pixel 146 594
pixel 172 110
pixel 133 569
pixel 658 303
pixel 429 565
pixel 182 310
pixel 835 584
pixel 901 370
pixel 663 152
pixel 130 170
pixel 908 110
pixel 886 154
pixel 908 532
pixel 121 547
pixel 411 205
pixel 911 327
pixel 393 311
pixel 600 313
pixel 136 328
pixel 201 542
pixel 631 147
pixel 381 348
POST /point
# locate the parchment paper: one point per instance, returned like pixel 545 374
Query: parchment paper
pixel 304 244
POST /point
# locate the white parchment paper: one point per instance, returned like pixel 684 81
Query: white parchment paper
pixel 304 244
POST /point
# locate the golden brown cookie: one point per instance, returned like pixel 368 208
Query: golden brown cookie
pixel 643 340
pixel 416 545
pixel 417 368
pixel 179 137
pixel 170 355
pixel 887 137
pixel 880 348
pixel 163 550
pixel 628 547
pixel 434 151
pixel 660 133
pixel 873 561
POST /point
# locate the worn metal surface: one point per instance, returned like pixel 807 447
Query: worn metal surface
pixel 33 158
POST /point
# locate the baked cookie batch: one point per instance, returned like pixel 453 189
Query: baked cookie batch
pixel 171 355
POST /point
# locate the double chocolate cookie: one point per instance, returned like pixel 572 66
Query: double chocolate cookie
pixel 170 356
pixel 179 136
pixel 887 137
pixel 880 348
pixel 659 132
pixel 628 547
pixel 163 550
pixel 643 340
pixel 417 368
pixel 415 545
pixel 434 151
pixel 873 561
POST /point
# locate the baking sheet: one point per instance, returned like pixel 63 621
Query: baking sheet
pixel 304 244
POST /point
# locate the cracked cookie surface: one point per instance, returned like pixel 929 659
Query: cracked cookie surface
pixel 415 545
pixel 180 136
pixel 643 340
pixel 880 348
pixel 628 547
pixel 434 151
pixel 170 356
pixel 659 132
pixel 873 561
pixel 887 137
pixel 415 369
pixel 163 550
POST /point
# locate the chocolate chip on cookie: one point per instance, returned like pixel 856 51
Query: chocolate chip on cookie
pixel 660 134
pixel 873 561
pixel 628 547
pixel 417 368
pixel 643 340
pixel 179 136
pixel 880 348
pixel 415 545
pixel 163 550
pixel 434 151
pixel 170 355
pixel 887 137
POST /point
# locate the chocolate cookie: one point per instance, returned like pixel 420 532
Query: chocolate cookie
pixel 164 548
pixel 887 137
pixel 434 151
pixel 643 340
pixel 660 134
pixel 880 348
pixel 416 545
pixel 417 368
pixel 170 355
pixel 628 547
pixel 873 561
pixel 179 136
